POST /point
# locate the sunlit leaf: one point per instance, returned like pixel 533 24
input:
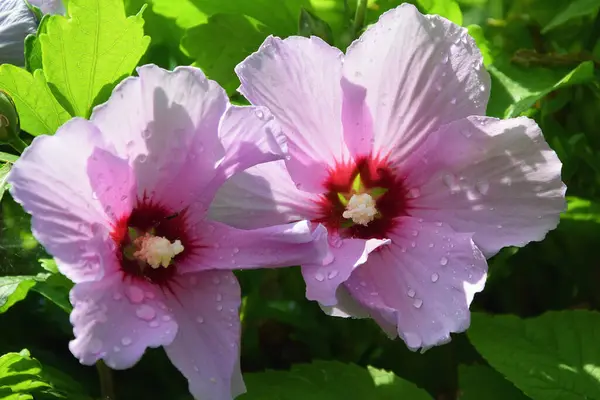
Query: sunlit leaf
pixel 86 55
pixel 477 382
pixel 556 354
pixel 574 9
pixel 15 288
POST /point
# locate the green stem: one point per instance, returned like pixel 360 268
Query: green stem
pixel 107 387
pixel 359 17
pixel 18 144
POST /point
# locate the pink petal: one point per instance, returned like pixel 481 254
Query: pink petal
pixel 496 178
pixel 262 196
pixel 346 306
pixel 250 136
pixel 50 181
pixel 298 79
pixel 356 119
pixel 206 348
pixel 420 72
pixel 424 281
pixel 49 6
pixel 166 123
pixel 113 183
pixel 116 321
pixel 322 281
pixel 224 247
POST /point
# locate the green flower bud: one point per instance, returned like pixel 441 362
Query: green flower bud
pixel 9 119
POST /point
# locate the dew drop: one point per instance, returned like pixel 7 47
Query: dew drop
pixel 145 312
pixel 417 303
pixel 413 244
pixel 219 297
pixel 199 319
pixel 154 324
pixel 444 58
pixel 453 100
pixel 213 380
pixel 117 296
pixel 332 274
pixel 236 250
pixel 444 261
pixel 482 88
pixel 135 294
pixel 482 187
pixel 150 295
pixel 146 133
pixel 94 195
pixel 123 198
pixel 319 276
pixel 439 224
pixel 414 233
pixel 260 114
pixel 166 318
pixel 116 349
pixel 434 277
pixel 216 280
pixel 219 307
pixel 363 283
pixel 499 226
pixel 414 193
pixel 411 293
pixel 126 341
pixel 95 345
pixel 142 158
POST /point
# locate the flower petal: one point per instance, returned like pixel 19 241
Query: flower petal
pixel 206 348
pixel 346 306
pixel 323 280
pixel 427 277
pixel 496 178
pixel 49 6
pixel 356 119
pixel 116 321
pixel 50 181
pixel 113 182
pixel 224 247
pixel 420 72
pixel 298 79
pixel 166 123
pixel 16 22
pixel 262 196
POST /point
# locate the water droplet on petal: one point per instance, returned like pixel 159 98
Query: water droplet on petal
pixel 443 261
pixel 482 187
pixel 414 193
pixel 414 233
pixel 145 312
pixel 150 295
pixel 94 195
pixel 216 280
pixel 142 158
pixel 411 293
pixel 499 226
pixel 319 276
pixel 445 58
pixel 431 245
pixel 146 133
pixel 135 294
pixel 154 324
pixel 418 303
pixel 166 318
pixel 124 197
pixel 116 349
pixel 199 319
pixel 453 100
pixel 95 346
pixel 117 296
pixel 213 380
pixel 332 274
pixel 413 244
pixel 219 307
pixel 236 250
pixel 260 114
pixel 363 283
pixel 219 297
pixel 434 277
pixel 126 341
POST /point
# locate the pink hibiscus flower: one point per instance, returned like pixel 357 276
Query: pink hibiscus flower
pixel 390 150
pixel 120 201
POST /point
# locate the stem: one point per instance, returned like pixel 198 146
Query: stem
pixel 107 387
pixel 18 144
pixel 359 17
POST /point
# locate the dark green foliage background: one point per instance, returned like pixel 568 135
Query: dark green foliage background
pixel 544 58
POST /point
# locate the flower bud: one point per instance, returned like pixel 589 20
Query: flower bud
pixel 9 119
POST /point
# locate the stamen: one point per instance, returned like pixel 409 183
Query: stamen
pixel 157 251
pixel 361 209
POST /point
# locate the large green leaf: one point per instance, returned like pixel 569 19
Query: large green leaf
pixel 329 380
pixel 33 47
pixel 38 110
pixel 554 356
pixel 15 288
pixel 4 170
pixel 574 9
pixel 86 55
pixel 221 43
pixel 479 382
pixel 446 8
pixel 582 210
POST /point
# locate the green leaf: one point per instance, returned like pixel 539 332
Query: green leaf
pixel 39 112
pixel 311 25
pixel 582 210
pixel 184 12
pixel 9 158
pixel 554 356
pixel 14 289
pixel 329 380
pixel 86 55
pixel 20 376
pixel 445 8
pixel 33 47
pixel 218 45
pixel 479 382
pixel 56 289
pixel 477 33
pixel 4 170
pixel 574 9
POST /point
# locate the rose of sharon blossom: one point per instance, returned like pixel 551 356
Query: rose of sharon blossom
pixel 16 22
pixel 121 200
pixel 49 6
pixel 390 150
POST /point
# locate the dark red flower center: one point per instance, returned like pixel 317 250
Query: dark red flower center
pixel 366 175
pixel 150 220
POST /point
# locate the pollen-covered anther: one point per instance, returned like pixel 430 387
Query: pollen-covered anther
pixel 361 209
pixel 157 251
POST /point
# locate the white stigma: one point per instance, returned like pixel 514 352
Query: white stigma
pixel 157 251
pixel 360 209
